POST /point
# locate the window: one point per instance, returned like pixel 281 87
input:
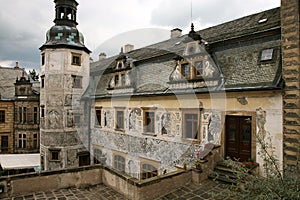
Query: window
pixel 98 157
pixel 35 141
pixel 148 171
pixel 98 117
pixel 4 143
pixel 198 68
pixel 43 111
pixel 190 126
pixel 20 114
pixel 76 59
pixel 24 115
pixel 77 81
pixel 22 144
pixel 42 81
pixel 117 80
pixel 84 159
pixel 149 122
pixel 120 120
pixel 54 155
pixel 43 59
pixel 266 54
pixel 2 116
pixel 35 115
pixel 77 119
pixel 123 80
pixel 119 163
pixel 185 70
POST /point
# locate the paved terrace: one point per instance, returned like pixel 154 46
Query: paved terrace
pixel 189 192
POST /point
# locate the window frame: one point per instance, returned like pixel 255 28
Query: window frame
pixel 4 149
pixel 191 111
pixel 22 141
pixel 119 164
pixel 35 115
pixel 43 81
pixel 77 82
pixel 149 130
pixel 98 116
pixel 55 152
pixel 35 143
pixel 76 59
pixel 43 59
pixel 145 173
pixel 120 118
pixel 2 116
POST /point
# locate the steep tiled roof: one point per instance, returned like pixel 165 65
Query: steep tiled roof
pixel 238 59
pixel 8 77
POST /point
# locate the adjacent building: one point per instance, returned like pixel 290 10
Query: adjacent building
pixel 19 111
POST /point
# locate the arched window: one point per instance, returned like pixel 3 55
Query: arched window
pixel 148 171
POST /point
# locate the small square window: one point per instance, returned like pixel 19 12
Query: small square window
pixel 266 54
pixel 76 59
pixel 54 155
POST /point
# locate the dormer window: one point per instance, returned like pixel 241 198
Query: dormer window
pixel 266 55
pixel 185 70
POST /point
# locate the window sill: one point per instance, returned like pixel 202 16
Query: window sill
pixel 54 160
pixel 150 134
pixel 119 130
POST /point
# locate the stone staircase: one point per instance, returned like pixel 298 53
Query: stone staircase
pixel 227 174
pixel 223 173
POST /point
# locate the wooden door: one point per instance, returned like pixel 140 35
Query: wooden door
pixel 238 137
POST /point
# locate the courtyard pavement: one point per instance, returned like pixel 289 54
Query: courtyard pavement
pixel 101 192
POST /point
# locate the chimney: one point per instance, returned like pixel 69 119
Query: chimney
pixel 176 32
pixel 102 56
pixel 128 47
pixel 17 65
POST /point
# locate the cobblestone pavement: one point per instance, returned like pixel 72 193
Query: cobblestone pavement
pixel 102 192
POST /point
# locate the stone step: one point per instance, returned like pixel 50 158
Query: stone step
pixel 222 178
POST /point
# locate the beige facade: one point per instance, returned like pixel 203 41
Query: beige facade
pixel 6 126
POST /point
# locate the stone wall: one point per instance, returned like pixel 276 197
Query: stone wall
pixel 52 180
pixel 290 70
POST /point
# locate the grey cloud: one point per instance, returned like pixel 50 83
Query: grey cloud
pixel 176 13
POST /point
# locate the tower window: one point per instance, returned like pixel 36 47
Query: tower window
pixel 42 81
pixel 43 59
pixel 76 59
pixel 77 81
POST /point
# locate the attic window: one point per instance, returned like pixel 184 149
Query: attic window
pixel 266 54
pixel 263 20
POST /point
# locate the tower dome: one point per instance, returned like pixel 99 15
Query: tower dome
pixel 64 33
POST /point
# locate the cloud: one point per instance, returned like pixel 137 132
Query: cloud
pixel 139 38
pixel 177 13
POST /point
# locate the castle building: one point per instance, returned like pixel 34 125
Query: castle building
pixel 147 111
pixel 64 79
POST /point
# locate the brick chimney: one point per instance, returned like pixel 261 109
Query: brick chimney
pixel 176 32
pixel 17 65
pixel 102 56
pixel 128 47
pixel 291 73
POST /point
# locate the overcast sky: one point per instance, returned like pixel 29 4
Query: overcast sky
pixel 107 25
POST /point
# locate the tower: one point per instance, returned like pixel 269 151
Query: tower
pixel 64 78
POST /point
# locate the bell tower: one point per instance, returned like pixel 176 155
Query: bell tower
pixel 65 68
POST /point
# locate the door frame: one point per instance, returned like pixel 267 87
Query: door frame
pixel 253 130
